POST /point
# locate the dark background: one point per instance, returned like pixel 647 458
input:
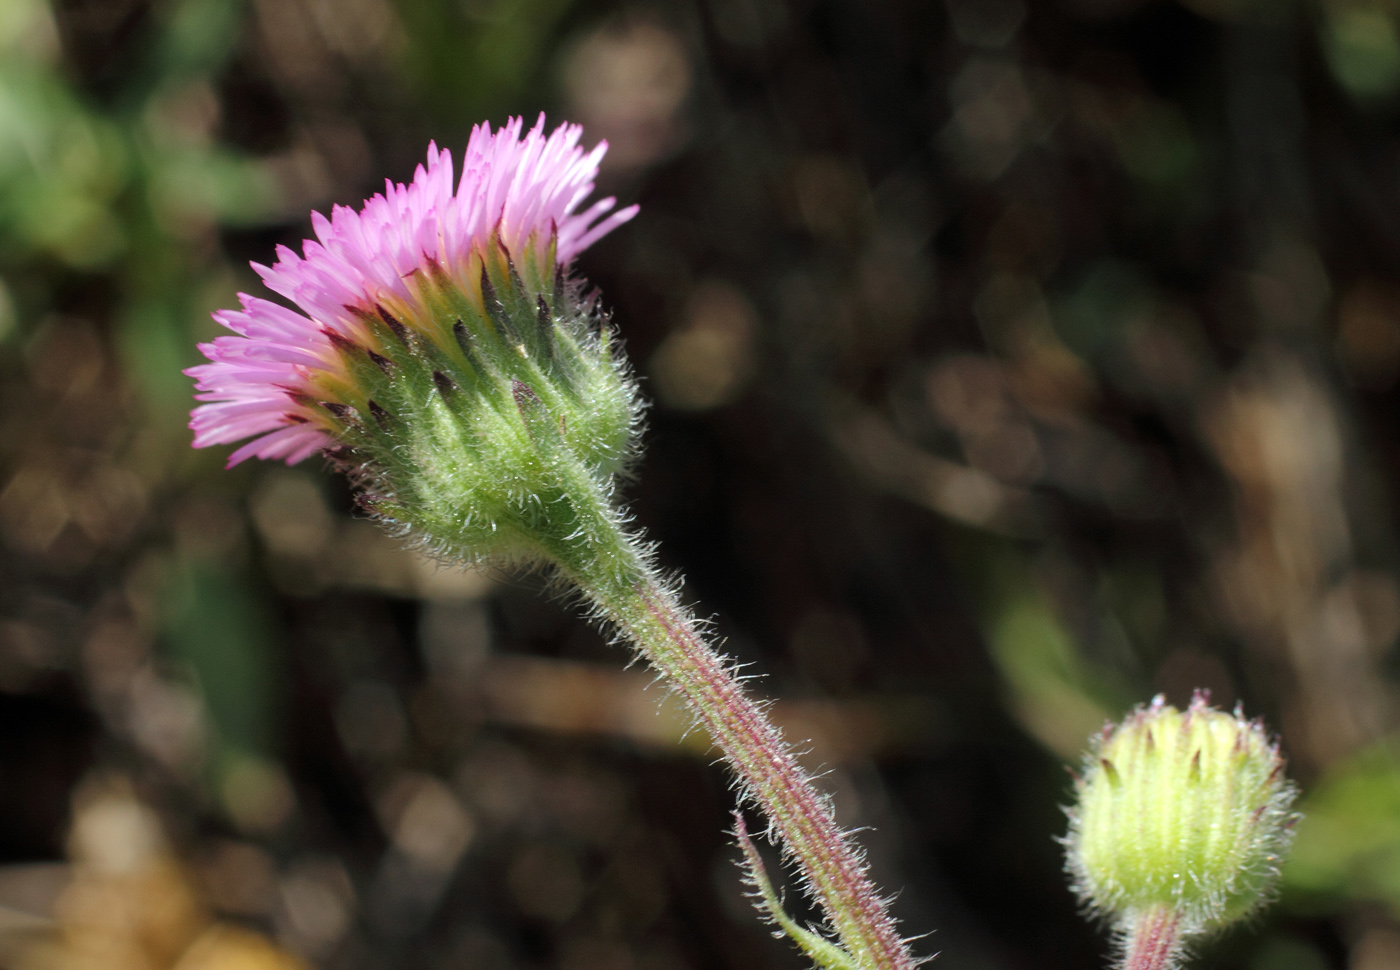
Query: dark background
pixel 1012 361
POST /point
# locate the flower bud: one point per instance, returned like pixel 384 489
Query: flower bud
pixel 1179 814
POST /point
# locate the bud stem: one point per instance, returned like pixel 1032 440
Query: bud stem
pixel 617 576
pixel 1154 939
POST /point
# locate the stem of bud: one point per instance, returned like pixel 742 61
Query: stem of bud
pixel 1154 940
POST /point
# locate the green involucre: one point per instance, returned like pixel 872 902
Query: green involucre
pixel 490 418
pixel 1187 810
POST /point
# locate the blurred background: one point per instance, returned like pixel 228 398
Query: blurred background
pixel 1012 361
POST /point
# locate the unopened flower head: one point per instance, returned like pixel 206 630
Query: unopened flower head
pixel 1181 812
pixel 440 354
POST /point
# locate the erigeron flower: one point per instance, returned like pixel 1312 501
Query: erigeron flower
pixel 381 267
pixel 438 352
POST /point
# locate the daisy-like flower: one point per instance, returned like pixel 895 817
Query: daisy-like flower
pixel 441 356
pixel 284 379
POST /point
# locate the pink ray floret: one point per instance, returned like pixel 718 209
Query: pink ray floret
pixel 524 188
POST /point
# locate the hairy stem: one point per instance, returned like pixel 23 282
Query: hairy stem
pixel 1153 941
pixel 666 635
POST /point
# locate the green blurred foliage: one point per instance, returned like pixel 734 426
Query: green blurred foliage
pixel 1348 843
pixel 1363 49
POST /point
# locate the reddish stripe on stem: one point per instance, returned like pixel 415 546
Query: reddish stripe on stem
pixel 783 789
pixel 1154 940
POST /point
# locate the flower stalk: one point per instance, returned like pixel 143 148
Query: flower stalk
pixel 612 569
pixel 650 617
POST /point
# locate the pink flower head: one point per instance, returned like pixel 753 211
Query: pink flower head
pixel 516 202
